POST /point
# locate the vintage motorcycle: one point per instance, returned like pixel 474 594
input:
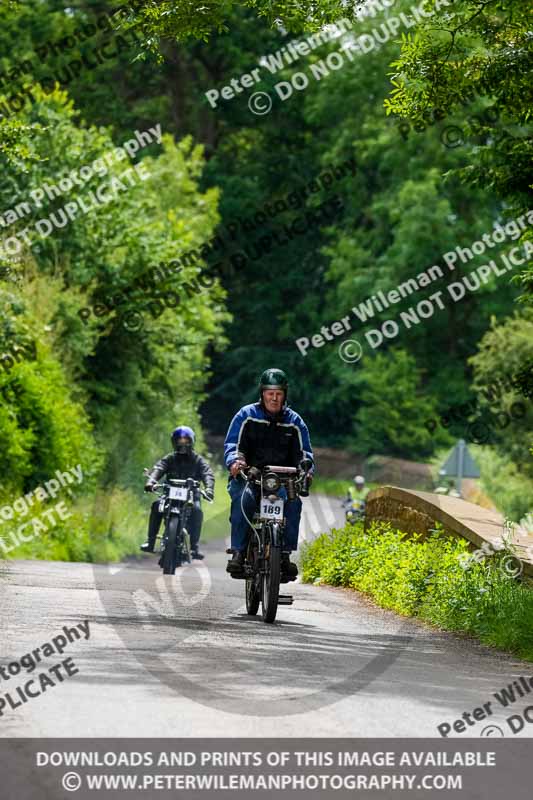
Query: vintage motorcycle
pixel 176 503
pixel 354 510
pixel 262 563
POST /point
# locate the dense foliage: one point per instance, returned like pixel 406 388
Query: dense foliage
pixel 95 392
pixel 477 49
pixel 100 394
pixel 471 48
pixel 430 579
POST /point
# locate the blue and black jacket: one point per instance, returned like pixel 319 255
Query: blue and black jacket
pixel 264 439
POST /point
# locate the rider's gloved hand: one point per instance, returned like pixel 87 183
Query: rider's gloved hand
pixel 236 467
pixel 209 493
pixel 149 486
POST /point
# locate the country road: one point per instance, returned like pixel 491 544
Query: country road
pixel 178 656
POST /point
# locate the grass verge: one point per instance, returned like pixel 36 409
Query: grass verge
pixel 216 514
pixel 107 525
pixel 335 487
pixel 425 579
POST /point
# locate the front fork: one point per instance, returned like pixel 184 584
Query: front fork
pixel 265 542
pixel 182 512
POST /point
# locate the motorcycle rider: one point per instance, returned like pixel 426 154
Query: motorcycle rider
pixel 357 492
pixel 182 463
pixel 264 433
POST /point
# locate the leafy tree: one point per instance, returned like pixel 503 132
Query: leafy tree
pixel 96 392
pixel 394 407
pixel 183 19
pixel 403 208
pixel 400 216
pixel 504 352
pixel 505 482
pixel 476 49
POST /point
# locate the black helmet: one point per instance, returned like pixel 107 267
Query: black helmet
pixel 273 379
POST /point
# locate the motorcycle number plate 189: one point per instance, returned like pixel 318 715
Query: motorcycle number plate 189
pixel 178 493
pixel 272 510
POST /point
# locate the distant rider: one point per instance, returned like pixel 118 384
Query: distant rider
pixel 261 434
pixel 182 463
pixel 357 492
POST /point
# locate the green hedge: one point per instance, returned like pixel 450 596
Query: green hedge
pixel 106 526
pixel 426 579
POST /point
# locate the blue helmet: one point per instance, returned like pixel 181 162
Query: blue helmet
pixel 183 431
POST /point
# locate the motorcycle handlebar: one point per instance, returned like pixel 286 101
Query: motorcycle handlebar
pixel 302 478
pixel 161 486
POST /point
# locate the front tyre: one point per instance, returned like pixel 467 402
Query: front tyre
pixel 271 577
pixel 170 556
pixel 186 547
pixel 253 584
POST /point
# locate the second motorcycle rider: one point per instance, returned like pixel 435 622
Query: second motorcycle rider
pixel 182 463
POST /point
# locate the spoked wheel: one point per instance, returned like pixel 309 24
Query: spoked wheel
pixel 253 584
pixel 170 561
pixel 271 576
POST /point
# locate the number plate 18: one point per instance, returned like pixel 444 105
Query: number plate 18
pixel 273 510
pixel 178 493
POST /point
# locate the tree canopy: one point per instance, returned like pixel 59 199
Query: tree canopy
pixel 349 191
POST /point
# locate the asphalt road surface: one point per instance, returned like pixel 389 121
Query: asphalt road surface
pixel 178 656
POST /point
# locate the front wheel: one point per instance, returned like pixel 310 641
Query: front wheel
pixel 253 584
pixel 186 547
pixel 170 560
pixel 271 577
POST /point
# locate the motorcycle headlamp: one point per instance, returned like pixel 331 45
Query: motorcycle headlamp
pixel 271 482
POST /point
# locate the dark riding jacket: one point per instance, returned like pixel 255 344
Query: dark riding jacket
pixel 175 465
pixel 279 440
